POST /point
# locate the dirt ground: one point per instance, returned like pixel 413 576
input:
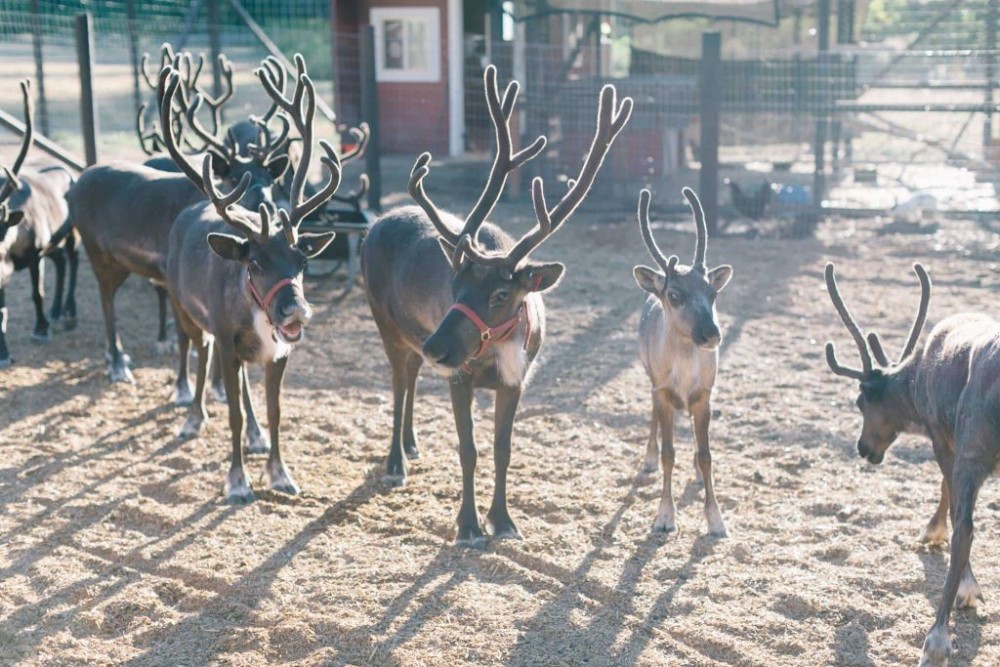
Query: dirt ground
pixel 116 546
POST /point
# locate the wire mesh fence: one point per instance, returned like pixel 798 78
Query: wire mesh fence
pixel 901 112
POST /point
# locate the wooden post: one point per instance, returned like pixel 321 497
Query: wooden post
pixel 494 30
pixel 710 96
pixel 88 106
pixel 36 44
pixel 819 145
pixel 369 112
pixel 133 50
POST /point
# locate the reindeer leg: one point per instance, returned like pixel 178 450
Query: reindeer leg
pixel 36 268
pixel 197 416
pixel 652 462
pixel 470 525
pixel 182 392
pixel 937 529
pixel 109 281
pixel 218 384
pixel 666 521
pixel 501 525
pixel 395 465
pixel 163 345
pixel 278 476
pixel 413 364
pixel 58 257
pixel 238 491
pixel 965 482
pixel 257 442
pixel 73 259
pixel 702 413
pixel 5 360
pixel 969 593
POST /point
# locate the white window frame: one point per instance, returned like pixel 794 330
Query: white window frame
pixel 431 18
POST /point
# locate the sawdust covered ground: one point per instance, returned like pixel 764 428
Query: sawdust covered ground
pixel 116 547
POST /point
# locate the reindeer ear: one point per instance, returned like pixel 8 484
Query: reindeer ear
pixel 228 246
pixel 649 279
pixel 447 248
pixel 277 166
pixel 540 277
pixel 220 165
pixel 14 218
pixel 719 276
pixel 313 244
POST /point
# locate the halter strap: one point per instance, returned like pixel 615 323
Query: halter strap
pixel 265 303
pixel 493 335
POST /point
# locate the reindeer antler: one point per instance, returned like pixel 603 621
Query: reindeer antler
pixel 852 327
pixel 29 127
pixel 301 109
pixel 504 162
pixel 918 323
pixel 237 218
pixel 666 264
pixel 611 118
pixel 701 229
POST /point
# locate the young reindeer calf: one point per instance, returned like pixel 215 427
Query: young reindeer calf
pixel 948 392
pixel 678 344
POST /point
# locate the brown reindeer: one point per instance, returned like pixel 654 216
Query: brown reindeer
pixel 463 296
pixel 244 291
pixel 678 343
pixel 32 210
pixel 948 392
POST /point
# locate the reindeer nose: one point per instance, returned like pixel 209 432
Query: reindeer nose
pixel 435 349
pixel 301 312
pixel 709 337
pixel 863 449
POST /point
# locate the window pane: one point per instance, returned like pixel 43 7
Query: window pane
pixel 393 31
pixel 418 45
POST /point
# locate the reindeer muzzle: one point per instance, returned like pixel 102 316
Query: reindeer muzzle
pixel 493 335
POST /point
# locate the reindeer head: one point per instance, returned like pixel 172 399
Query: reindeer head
pixel 273 263
pixel 881 399
pixel 262 156
pixel 490 286
pixel 687 293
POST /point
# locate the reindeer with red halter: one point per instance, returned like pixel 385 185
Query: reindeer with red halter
pixel 243 291
pixel 463 296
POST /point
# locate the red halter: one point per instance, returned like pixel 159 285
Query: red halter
pixel 264 303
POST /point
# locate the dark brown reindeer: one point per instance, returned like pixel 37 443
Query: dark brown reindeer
pixel 471 307
pixel 679 338
pixel 948 392
pixel 244 291
pixel 32 210
pixel 124 213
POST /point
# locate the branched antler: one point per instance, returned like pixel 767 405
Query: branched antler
pixel 852 327
pixel 875 343
pixel 223 203
pixel 611 118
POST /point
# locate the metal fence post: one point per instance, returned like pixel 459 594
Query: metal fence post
pixel 710 101
pixel 369 112
pixel 88 106
pixel 991 45
pixel 36 44
pixel 820 100
pixel 133 50
pixel 215 45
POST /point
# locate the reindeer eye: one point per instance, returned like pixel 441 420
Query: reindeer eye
pixel 675 298
pixel 499 298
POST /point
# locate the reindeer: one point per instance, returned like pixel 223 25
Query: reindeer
pixel 947 392
pixel 244 291
pixel 32 208
pixel 471 307
pixel 124 213
pixel 678 343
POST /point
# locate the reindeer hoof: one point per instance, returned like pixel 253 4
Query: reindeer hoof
pixel 394 481
pixel 650 467
pixel 41 338
pixel 257 443
pixel 664 528
pixel 471 534
pixel 969 595
pixel 934 534
pixel 191 430
pixel 502 527
pixel 412 453
pixel 937 648
pixel 718 531
pixel 122 374
pixel 286 486
pixel 240 496
pixel 183 396
pixel 218 394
